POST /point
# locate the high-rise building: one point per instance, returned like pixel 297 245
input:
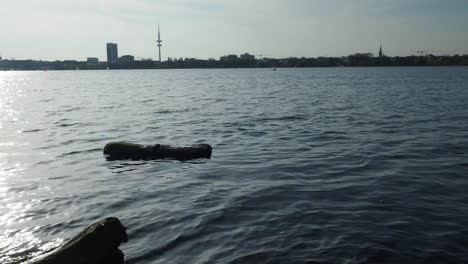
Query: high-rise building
pixel 112 53
pixel 159 44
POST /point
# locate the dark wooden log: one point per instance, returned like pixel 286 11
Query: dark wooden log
pixel 97 244
pixel 124 150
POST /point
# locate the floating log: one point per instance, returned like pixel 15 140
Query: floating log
pixel 97 244
pixel 124 150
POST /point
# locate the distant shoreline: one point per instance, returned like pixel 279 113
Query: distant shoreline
pixel 228 68
pixel 355 60
pixel 355 67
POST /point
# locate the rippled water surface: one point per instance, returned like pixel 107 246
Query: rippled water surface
pixel 309 165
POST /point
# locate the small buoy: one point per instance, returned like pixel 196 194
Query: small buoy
pixel 274 69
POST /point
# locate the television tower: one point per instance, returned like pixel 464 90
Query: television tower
pixel 159 43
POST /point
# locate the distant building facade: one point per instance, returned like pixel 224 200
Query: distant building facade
pixel 229 58
pixel 112 53
pixel 126 59
pixel 146 59
pixel 247 57
pixel 92 60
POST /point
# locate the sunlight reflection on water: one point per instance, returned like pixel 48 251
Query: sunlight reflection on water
pixel 20 245
pixel 17 241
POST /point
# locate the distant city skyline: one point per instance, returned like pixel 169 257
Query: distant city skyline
pixel 58 29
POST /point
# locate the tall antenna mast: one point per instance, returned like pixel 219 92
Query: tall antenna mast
pixel 159 43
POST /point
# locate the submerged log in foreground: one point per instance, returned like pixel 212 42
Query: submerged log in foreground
pixel 124 150
pixel 97 244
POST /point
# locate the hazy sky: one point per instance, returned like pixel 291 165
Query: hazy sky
pixel 76 29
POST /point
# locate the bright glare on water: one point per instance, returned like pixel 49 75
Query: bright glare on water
pixel 340 165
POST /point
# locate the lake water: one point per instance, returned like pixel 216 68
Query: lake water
pixel 339 165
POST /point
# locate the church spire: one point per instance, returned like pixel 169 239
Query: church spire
pixel 381 52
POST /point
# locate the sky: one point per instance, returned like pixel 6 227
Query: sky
pixel 77 29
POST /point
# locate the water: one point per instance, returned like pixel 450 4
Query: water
pixel 342 165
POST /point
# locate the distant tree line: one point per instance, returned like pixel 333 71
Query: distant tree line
pixel 232 61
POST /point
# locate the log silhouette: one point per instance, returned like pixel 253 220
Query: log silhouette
pixel 125 150
pixel 97 244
